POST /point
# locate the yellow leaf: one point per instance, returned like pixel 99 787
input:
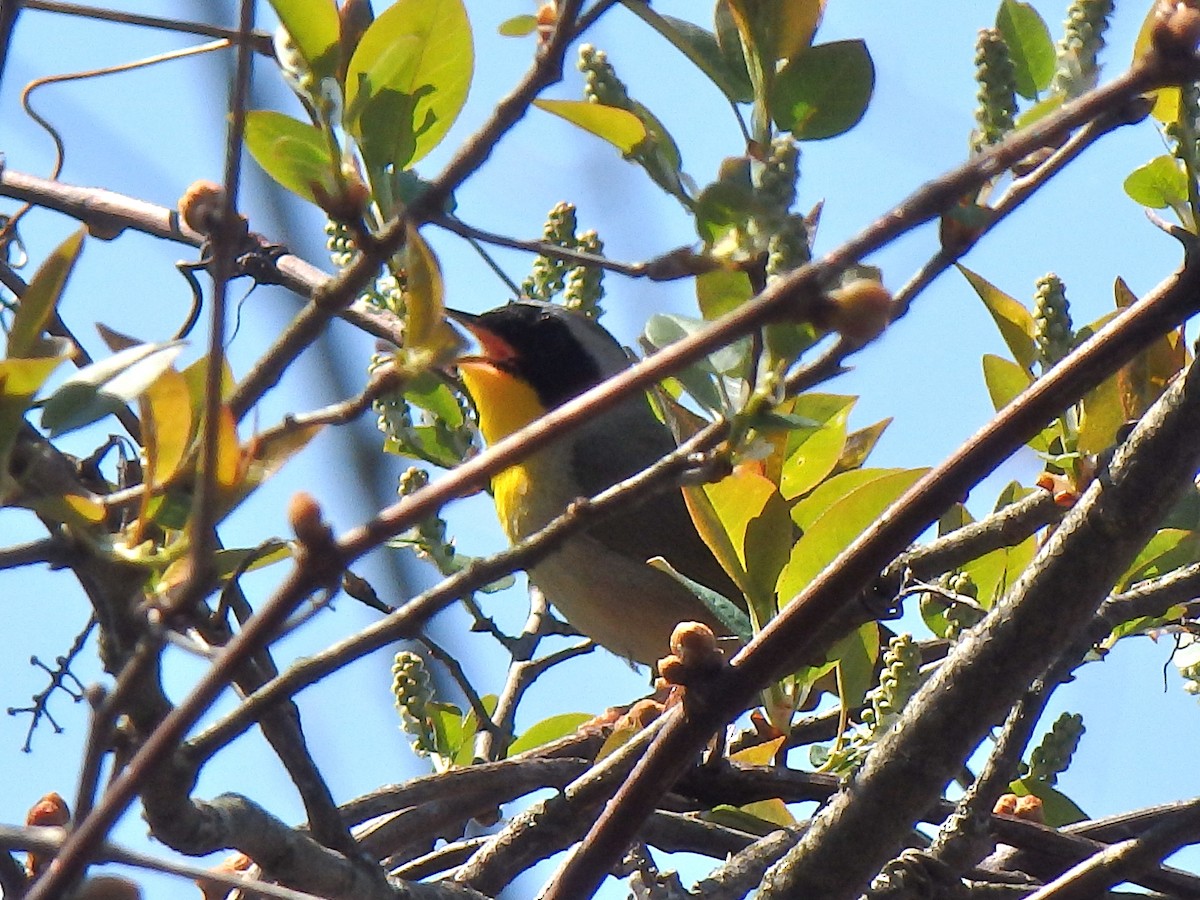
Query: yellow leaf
pixel 167 419
pixel 1166 99
pixel 619 127
pixel 229 455
pixel 760 754
pixel 774 811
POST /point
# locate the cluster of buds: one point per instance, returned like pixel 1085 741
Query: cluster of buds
pixel 897 683
pixel 581 287
pixel 1053 331
pixel 997 79
pixel 413 692
pixel 1053 755
pixel 1083 39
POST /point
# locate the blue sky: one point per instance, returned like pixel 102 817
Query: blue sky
pixel 151 133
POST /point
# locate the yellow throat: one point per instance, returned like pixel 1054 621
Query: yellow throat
pixel 505 404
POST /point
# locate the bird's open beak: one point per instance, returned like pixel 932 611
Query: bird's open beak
pixel 491 347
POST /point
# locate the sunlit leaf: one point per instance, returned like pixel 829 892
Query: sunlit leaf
pixel 313 27
pixel 41 298
pixel 196 377
pixel 619 127
pixel 518 26
pixel 859 445
pixel 759 754
pixel 425 326
pixel 742 819
pixel 807 510
pixel 106 386
pixel 721 291
pixel 1029 45
pixel 408 80
pixel 1058 810
pixel 251 559
pixel 857 655
pixel 1143 379
pixel 842 521
pixel 20 379
pixel 825 91
pixel 1166 99
pixel 1168 550
pixel 813 453
pixel 166 413
pixel 1158 184
pixel 230 470
pixel 755 518
pixel 995 572
pixel 548 730
pixel 1044 107
pixel 1102 417
pixel 292 152
pixel 1011 317
pixel 1005 380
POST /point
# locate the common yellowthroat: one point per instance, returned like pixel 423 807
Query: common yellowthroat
pixel 534 356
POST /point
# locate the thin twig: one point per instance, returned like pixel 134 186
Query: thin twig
pixel 1121 861
pixel 808 622
pixel 260 41
pixel 407 621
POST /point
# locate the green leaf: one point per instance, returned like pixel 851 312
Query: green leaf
pixel 104 387
pixel 1041 109
pixel 292 152
pixel 856 655
pixel 813 453
pixel 251 558
pixel 1005 380
pixel 548 730
pixel 425 326
pixel 995 572
pixel 1029 45
pixel 721 291
pixel 729 42
pixel 755 519
pixel 1160 183
pixel 806 511
pixel 1102 416
pixel 1011 317
pixel 1167 99
pixel 619 127
pixel 825 91
pixel 859 445
pixel 1058 809
pixel 41 298
pixel 727 612
pixel 518 26
pixel 702 49
pixel 314 28
pixel 702 379
pixel 834 530
pixel 408 80
pixel 20 379
pixel 1168 550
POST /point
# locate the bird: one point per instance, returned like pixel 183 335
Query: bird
pixel 532 357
